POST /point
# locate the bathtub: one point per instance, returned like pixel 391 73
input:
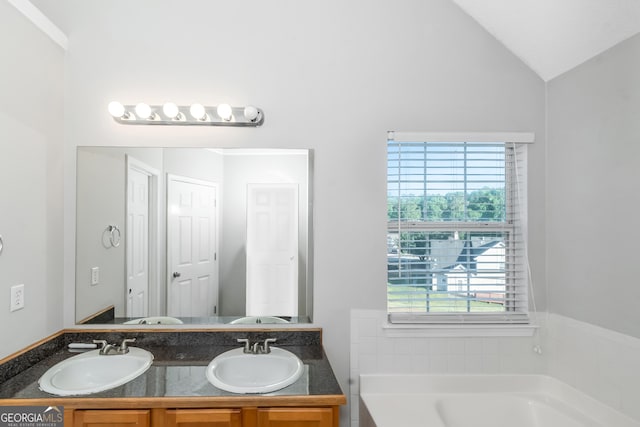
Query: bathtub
pixel 480 401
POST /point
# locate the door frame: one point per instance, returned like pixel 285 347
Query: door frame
pixel 296 280
pixel 153 234
pixel 169 262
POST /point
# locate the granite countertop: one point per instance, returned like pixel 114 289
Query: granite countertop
pixel 178 369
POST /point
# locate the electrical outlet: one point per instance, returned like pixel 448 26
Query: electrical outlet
pixel 95 276
pixel 17 297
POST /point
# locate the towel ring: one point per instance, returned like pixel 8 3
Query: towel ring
pixel 114 235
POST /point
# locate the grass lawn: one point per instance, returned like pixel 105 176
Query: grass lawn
pixel 414 299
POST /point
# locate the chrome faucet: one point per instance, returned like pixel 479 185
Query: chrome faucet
pixel 247 345
pixel 107 349
pixel 256 348
pixel 266 348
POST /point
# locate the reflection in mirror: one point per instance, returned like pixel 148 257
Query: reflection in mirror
pixel 193 235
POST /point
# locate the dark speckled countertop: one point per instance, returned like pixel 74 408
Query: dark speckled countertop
pixel 178 370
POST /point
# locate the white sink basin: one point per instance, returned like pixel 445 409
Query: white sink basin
pixel 155 320
pixel 239 372
pixel 91 372
pixel 257 319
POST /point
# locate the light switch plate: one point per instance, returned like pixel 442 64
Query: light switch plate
pixel 95 275
pixel 17 297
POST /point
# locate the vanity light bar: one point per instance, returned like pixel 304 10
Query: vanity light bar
pixel 193 115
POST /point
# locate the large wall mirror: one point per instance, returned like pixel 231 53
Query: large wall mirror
pixel 193 235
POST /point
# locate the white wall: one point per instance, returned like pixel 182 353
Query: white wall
pixel 600 362
pixel 101 194
pixel 200 164
pixel 241 170
pixel 31 208
pixel 593 196
pixel 333 76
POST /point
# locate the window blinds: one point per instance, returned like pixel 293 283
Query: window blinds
pixel 456 231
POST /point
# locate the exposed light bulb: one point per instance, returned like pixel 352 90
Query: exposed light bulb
pixel 250 112
pixel 225 112
pixel 117 110
pixel 170 113
pixel 143 111
pixel 171 110
pixel 198 112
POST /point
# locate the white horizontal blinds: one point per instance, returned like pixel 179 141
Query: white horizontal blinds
pixel 518 271
pixel 455 233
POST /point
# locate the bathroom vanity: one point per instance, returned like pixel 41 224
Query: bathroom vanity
pixel 250 416
pixel 174 391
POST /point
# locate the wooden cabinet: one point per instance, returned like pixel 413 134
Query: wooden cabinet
pixel 295 417
pixel 203 418
pixel 111 418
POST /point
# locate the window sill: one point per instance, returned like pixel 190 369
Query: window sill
pixel 456 331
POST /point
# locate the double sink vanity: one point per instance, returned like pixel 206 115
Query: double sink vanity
pixel 208 356
pixel 245 377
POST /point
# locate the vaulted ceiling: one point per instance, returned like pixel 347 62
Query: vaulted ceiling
pixel 554 36
pixel 550 36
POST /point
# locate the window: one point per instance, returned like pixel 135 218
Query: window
pixel 456 227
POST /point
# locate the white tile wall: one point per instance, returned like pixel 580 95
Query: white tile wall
pixel 597 361
pixel 374 351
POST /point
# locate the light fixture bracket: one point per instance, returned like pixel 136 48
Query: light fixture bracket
pixel 184 118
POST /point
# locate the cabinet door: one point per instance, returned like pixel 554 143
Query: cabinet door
pixel 112 418
pixel 203 418
pixel 295 417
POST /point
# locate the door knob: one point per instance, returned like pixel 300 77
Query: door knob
pixel 176 274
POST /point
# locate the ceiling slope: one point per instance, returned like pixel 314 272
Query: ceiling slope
pixel 554 36
pixel 550 36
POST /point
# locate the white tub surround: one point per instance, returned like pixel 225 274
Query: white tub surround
pixel 375 351
pixel 480 401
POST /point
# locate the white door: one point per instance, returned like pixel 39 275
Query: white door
pixel 191 248
pixel 272 250
pixel 137 238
